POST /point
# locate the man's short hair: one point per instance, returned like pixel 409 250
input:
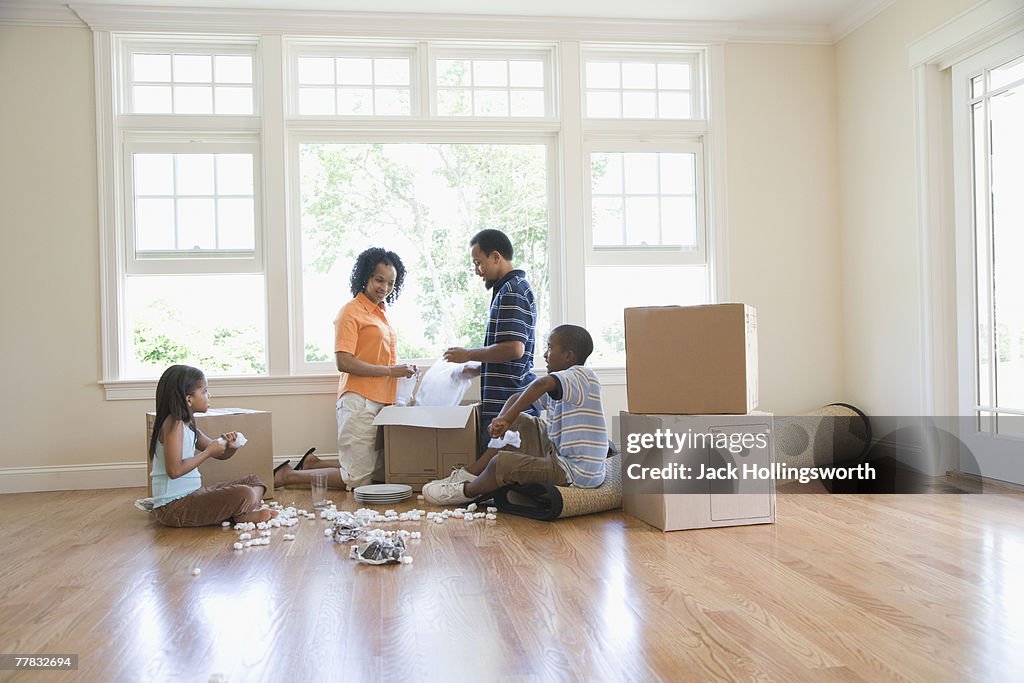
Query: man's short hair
pixel 491 240
pixel 575 339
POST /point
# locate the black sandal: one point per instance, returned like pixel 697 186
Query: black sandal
pixel 281 465
pixel 303 461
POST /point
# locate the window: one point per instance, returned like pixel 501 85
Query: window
pixel 249 171
pixel 191 204
pixel 492 86
pixel 184 81
pixel 640 87
pixel 353 84
pixel 424 201
pixel 191 285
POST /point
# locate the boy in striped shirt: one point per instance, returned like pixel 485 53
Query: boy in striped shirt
pixel 566 447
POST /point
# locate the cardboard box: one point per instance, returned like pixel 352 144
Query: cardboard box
pixel 673 504
pixel 255 457
pixel 423 443
pixel 691 360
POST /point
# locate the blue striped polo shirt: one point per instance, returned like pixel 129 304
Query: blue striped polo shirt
pixel 576 425
pixel 513 316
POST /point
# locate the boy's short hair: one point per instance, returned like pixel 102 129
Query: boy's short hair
pixel 491 240
pixel 575 339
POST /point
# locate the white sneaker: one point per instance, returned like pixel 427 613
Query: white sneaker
pixel 459 474
pixel 443 493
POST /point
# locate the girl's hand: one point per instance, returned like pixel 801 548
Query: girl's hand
pixel 216 448
pixel 402 370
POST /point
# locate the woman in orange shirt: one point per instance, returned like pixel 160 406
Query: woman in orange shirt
pixel 366 355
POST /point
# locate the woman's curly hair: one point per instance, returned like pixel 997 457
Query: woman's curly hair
pixel 367 261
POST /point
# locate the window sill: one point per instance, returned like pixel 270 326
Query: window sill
pixel 283 385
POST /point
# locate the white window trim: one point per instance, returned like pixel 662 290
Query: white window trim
pixel 509 52
pixel 694 57
pixel 308 47
pixel 929 57
pixel 200 45
pixel 566 250
pixel 652 255
pixel 207 261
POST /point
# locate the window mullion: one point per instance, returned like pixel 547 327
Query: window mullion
pixel 275 240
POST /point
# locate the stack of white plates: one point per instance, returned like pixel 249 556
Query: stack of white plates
pixel 383 494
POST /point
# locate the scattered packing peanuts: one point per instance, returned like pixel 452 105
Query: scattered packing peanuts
pixel 439 519
pixel 328 531
pixel 415 534
pixel 471 507
pixel 238 546
pixel 405 559
pixel 289 537
pixel 196 571
pixel 244 537
pixel 492 509
pixel 265 532
pixel 491 515
pixel 420 497
pixel 225 524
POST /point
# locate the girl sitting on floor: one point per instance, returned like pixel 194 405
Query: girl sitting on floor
pixel 178 448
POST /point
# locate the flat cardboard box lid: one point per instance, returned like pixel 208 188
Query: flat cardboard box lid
pixel 448 417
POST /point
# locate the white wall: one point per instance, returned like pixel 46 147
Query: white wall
pixel 880 247
pixel 783 218
pixel 783 258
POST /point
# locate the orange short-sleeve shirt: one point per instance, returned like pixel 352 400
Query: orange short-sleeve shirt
pixel 363 330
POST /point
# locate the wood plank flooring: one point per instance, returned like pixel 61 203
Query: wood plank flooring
pixel 842 588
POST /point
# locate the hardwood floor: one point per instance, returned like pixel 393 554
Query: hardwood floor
pixel 845 588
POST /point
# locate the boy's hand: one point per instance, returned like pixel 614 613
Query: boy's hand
pixel 402 370
pixel 499 426
pixel 230 438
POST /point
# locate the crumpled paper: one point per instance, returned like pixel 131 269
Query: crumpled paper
pixel 348 527
pixel 378 551
pixel 240 440
pixel 509 439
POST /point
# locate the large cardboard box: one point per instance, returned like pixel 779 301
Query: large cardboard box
pixel 691 360
pixel 255 457
pixel 728 445
pixel 424 443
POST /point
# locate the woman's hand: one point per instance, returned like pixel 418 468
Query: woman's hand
pixel 402 370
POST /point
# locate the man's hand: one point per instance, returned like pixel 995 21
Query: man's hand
pixel 457 354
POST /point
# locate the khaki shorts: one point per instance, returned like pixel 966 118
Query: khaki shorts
pixel 534 462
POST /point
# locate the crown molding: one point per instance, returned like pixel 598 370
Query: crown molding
pixel 856 16
pixel 430 26
pixel 34 14
pixel 967 33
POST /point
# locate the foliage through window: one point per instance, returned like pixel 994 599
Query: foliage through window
pixel 425 202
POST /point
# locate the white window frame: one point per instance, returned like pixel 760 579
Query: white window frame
pixel 352 49
pixel 197 45
pixel 654 255
pixel 636 54
pixel 181 261
pixel 271 37
pixel 508 53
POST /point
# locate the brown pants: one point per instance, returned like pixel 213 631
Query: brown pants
pixel 213 504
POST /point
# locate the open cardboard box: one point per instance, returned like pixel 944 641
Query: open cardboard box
pixel 255 457
pixel 423 443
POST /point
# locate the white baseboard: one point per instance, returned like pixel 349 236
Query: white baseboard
pixel 108 475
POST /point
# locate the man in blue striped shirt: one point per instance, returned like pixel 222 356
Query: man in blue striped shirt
pixel 507 354
pixel 567 446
